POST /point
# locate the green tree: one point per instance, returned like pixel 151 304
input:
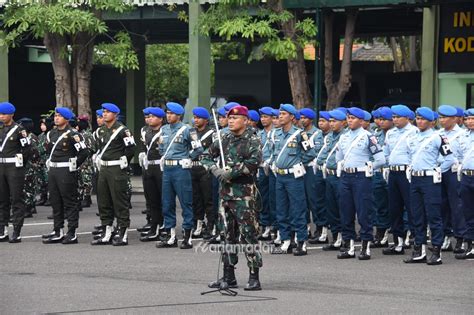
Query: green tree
pixel 69 30
pixel 282 34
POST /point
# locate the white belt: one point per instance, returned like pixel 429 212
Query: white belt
pixel 351 170
pixel 398 168
pixel 8 160
pixel 319 167
pixel 110 163
pixel 154 162
pixel 58 164
pixel 172 162
pixel 422 173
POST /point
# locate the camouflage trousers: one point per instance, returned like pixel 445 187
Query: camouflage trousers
pixel 42 179
pixel 242 228
pixel 85 179
pixel 30 188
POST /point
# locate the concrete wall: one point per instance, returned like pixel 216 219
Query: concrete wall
pixel 452 88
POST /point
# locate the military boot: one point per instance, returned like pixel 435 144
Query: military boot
pixel 144 228
pixel 169 241
pixel 187 241
pixel 42 200
pixel 28 212
pixel 379 237
pixel 300 249
pixel 408 240
pixel 227 281
pixel 86 202
pixel 266 235
pixel 254 281
pixel 293 239
pixel 98 229
pixel 335 245
pixel 152 235
pixel 468 251
pixel 458 247
pixel 122 238
pixel 418 255
pixel 285 248
pixel 197 233
pixel 396 248
pixel 435 258
pixel 323 237
pixel 347 250
pixel 207 232
pixel 447 246
pixel 105 238
pixel 16 237
pixel 365 250
pixel 4 233
pixel 71 237
pixel 55 238
pixel 277 240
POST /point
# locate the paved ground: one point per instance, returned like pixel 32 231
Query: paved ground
pixel 139 278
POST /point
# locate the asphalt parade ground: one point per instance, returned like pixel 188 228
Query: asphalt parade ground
pixel 139 278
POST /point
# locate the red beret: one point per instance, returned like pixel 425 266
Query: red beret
pixel 239 110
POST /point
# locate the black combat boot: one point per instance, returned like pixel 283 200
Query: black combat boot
pixel 468 251
pixel 144 228
pixel 300 249
pixel 16 237
pixel 227 281
pixel 4 233
pixel 169 241
pixel 42 200
pixel 365 251
pixel 347 250
pixel 447 246
pixel 197 231
pixel 435 258
pixel 266 234
pixel 98 229
pixel 293 240
pixel 458 247
pixel 86 202
pixel 105 238
pixel 28 212
pixel 187 241
pixel 207 232
pixel 312 238
pixel 254 281
pixel 55 238
pixel 379 237
pixel 417 256
pixel 122 238
pixel 71 237
pixel 285 248
pixel 152 235
pixel 335 245
pixel 396 248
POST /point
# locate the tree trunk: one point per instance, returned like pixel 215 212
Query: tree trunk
pixel 405 55
pixel 82 57
pixel 297 75
pixel 396 58
pixel 57 46
pixel 412 52
pixel 337 90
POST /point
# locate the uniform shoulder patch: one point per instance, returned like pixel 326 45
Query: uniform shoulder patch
pixel 23 133
pixel 77 138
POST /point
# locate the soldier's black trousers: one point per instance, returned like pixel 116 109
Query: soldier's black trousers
pixel 152 180
pixel 202 195
pixel 63 196
pixel 113 198
pixel 12 181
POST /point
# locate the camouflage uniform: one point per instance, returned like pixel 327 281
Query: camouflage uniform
pixel 237 209
pixel 86 169
pixel 42 172
pixel 31 175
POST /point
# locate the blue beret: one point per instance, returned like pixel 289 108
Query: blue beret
pixel 356 112
pixel 385 113
pixel 435 115
pixel 253 115
pixel 111 108
pixel 99 112
pixel 156 111
pixel 447 110
pixel 229 106
pixel 469 112
pixel 175 108
pixel 308 113
pixel 276 112
pixel 411 115
pixel 425 113
pixel 266 111
pixel 401 110
pixel 376 113
pixel 367 116
pixel 201 112
pixel 460 112
pixel 221 112
pixel 342 109
pixel 288 108
pixel 324 115
pixel 65 112
pixel 337 114
pixel 297 115
pixel 7 108
pixel 146 111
